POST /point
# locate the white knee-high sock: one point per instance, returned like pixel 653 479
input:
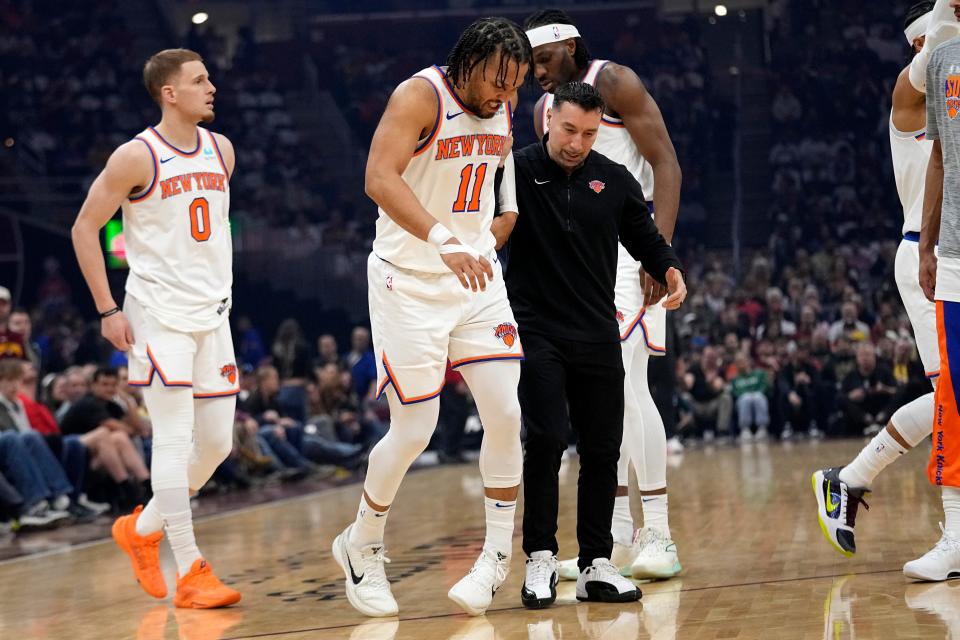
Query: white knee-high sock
pixel 174 504
pixel 951 511
pixel 150 520
pixel 622 526
pixel 872 459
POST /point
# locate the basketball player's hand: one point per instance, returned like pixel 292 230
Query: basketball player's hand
pixel 469 270
pixel 677 289
pixel 116 329
pixel 653 291
pixel 928 274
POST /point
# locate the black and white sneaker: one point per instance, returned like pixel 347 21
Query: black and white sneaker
pixel 540 586
pixel 837 504
pixel 602 582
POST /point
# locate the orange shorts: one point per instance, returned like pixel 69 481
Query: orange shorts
pixel 944 466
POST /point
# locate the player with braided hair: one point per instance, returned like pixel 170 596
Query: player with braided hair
pixel 436 292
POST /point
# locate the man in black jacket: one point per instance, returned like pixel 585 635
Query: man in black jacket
pixel 574 206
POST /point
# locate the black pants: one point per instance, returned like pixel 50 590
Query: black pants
pixel 587 378
pixel 454 411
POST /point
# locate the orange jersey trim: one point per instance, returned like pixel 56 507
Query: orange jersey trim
pixel 487 358
pixel 392 379
pixel 423 146
pixel 456 98
pixel 163 377
pixel 219 394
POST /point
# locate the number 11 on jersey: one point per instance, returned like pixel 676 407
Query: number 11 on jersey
pixel 461 205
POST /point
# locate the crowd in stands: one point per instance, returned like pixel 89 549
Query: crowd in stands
pixel 806 337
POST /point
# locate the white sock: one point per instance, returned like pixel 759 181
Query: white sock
pixel 622 527
pixel 174 507
pixel 150 520
pixel 179 529
pixel 655 512
pixel 368 528
pixel 500 515
pixel 871 460
pixel 951 511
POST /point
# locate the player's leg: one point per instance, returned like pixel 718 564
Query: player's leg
pixel 411 322
pixel 215 387
pixel 656 550
pixel 839 490
pixel 485 348
pixel 494 388
pixel 943 561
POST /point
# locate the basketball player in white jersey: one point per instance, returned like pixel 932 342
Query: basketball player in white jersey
pixel 172 182
pixel 632 133
pixel 840 490
pixel 437 292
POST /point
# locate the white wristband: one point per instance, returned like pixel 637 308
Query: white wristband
pixel 438 235
pixel 460 248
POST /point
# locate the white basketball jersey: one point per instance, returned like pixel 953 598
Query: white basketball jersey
pixel 177 235
pixel 452 174
pixel 614 141
pixel 910 153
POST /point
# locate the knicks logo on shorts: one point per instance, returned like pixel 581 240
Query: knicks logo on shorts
pixel 620 317
pixel 951 90
pixel 506 332
pixel 229 372
pixel 596 185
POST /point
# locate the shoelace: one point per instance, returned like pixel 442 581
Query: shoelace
pixel 373 565
pixel 605 570
pixel 540 569
pixel 850 503
pixel 648 541
pixel 482 566
pixel 946 544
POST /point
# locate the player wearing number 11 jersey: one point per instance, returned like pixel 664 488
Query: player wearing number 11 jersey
pixel 437 292
pixel 172 182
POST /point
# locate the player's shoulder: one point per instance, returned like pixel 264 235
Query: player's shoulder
pixel 615 74
pixel 134 154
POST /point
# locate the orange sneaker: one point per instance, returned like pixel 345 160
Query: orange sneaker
pixel 144 552
pixel 200 589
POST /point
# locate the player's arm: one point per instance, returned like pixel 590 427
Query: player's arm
pixel 909 105
pixel 506 219
pixel 538 115
pixel 411 111
pixel 227 151
pixel 129 169
pixel 624 94
pixel 930 226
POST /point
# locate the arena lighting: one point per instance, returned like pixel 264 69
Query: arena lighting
pixel 199 18
pixel 720 10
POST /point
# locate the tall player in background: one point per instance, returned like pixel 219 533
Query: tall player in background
pixel 172 182
pixel 632 133
pixel 840 490
pixel 437 292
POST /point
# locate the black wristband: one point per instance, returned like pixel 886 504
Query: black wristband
pixel 110 312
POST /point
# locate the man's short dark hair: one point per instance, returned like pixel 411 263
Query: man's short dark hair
pixel 581 94
pixel 105 372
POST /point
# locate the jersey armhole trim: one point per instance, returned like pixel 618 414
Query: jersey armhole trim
pixel 426 142
pixel 216 148
pixel 145 193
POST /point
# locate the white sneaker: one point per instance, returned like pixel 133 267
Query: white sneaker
pixel 602 582
pixel 762 434
pixel 940 563
pixel 656 555
pixel 369 591
pixel 41 515
pixel 621 556
pixel 540 585
pixel 475 590
pixel 98 508
pixel 745 436
pixel 674 446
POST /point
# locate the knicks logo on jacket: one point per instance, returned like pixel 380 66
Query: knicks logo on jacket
pixel 951 90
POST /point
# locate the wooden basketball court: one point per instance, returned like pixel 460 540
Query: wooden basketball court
pixel 755 565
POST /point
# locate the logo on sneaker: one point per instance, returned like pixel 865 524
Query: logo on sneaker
pixel 501 556
pixel 353 574
pixel 831 505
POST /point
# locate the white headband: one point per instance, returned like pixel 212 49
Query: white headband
pixel 551 33
pixel 917 28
